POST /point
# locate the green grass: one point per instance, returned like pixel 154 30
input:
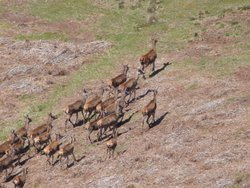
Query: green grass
pixel 44 36
pixel 58 10
pixel 240 179
pixel 130 34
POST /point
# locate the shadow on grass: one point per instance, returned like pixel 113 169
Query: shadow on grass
pixel 159 120
pixel 159 70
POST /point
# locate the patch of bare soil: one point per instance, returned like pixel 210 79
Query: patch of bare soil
pixel 31 67
pixel 200 137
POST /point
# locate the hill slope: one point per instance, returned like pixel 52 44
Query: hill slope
pixel 200 138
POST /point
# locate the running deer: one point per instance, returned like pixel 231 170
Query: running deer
pixel 149 110
pixel 149 58
pixel 111 145
pixel 6 162
pixel 100 108
pixel 91 103
pixel 119 79
pixel 67 150
pixel 91 127
pixel 110 121
pixel 42 140
pixel 23 131
pixel 129 87
pixel 75 108
pixel 42 128
pixel 52 148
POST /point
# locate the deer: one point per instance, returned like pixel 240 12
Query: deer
pixel 52 148
pixel 67 150
pixel 91 103
pixel 100 108
pixel 129 87
pixel 6 161
pixel 149 58
pixel 4 146
pixel 42 140
pixel 22 132
pixel 109 121
pixel 13 140
pixel 111 145
pixel 149 110
pixel 42 128
pixel 20 180
pixel 18 148
pixel 75 108
pixel 119 79
pixel 91 126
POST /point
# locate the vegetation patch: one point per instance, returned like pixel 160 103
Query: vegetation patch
pixel 44 36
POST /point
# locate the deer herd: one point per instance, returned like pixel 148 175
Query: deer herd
pixel 100 115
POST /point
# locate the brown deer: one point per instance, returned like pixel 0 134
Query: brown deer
pixel 6 161
pixel 75 108
pixel 18 147
pixel 119 79
pixel 149 110
pixel 13 138
pixel 67 150
pixel 91 126
pixel 91 103
pixel 100 108
pixel 42 140
pixel 129 87
pixel 23 131
pixel 149 58
pixel 20 180
pixel 109 121
pixel 42 128
pixel 111 145
pixel 52 148
pixel 4 146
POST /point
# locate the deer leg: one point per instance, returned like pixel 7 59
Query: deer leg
pixel 113 152
pixel 142 124
pixel 89 136
pixel 83 115
pixel 48 160
pixel 148 120
pixel 28 142
pixel 67 161
pixel 74 157
pixel 114 131
pixel 70 119
pixel 6 174
pixel 153 67
pixel 100 134
pixel 76 118
pixel 129 100
pixel 144 77
pixel 52 162
pixel 135 94
pixel 107 153
pixel 153 115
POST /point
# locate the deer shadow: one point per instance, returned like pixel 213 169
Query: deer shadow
pixel 78 160
pixel 143 95
pixel 159 70
pixel 158 121
pixel 126 120
pixel 25 160
pixel 78 123
pixel 10 177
